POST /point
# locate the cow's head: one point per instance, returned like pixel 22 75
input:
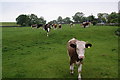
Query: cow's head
pixel 80 48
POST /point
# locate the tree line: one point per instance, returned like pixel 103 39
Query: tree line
pixel 28 20
pixel 79 17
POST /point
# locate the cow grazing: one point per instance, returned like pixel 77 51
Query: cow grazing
pixel 54 26
pixel 84 24
pixel 71 24
pixel 47 28
pixel 39 25
pixel 36 25
pixel 76 51
pixel 60 26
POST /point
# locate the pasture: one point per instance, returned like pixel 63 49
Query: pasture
pixel 8 24
pixel 29 53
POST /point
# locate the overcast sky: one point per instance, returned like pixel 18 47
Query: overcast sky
pixel 51 9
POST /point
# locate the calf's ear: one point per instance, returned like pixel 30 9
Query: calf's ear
pixel 88 45
pixel 73 45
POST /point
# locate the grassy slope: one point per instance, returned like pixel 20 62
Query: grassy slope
pixel 29 53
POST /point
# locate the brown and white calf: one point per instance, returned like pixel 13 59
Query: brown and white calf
pixel 76 51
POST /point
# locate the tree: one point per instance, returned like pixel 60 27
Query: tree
pixel 53 22
pixel 59 20
pixel 91 18
pixel 67 20
pixel 41 20
pixel 23 20
pixel 28 20
pixel 95 21
pixel 33 19
pixel 84 19
pixel 78 17
pixel 102 17
pixel 113 17
pixel 105 15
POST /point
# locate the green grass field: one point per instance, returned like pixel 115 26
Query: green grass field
pixel 8 24
pixel 29 53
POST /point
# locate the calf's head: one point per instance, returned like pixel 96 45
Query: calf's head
pixel 80 48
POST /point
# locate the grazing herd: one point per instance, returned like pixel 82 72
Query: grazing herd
pixel 47 27
pixel 75 48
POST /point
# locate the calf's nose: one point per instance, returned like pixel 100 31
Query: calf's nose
pixel 81 57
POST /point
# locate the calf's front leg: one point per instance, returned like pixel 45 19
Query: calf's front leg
pixel 71 67
pixel 79 71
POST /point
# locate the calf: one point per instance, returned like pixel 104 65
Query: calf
pixel 76 51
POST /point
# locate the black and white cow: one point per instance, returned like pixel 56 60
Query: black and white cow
pixel 40 25
pixel 36 25
pixel 71 24
pixel 76 51
pixel 47 28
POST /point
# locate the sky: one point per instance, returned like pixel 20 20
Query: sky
pixel 51 9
